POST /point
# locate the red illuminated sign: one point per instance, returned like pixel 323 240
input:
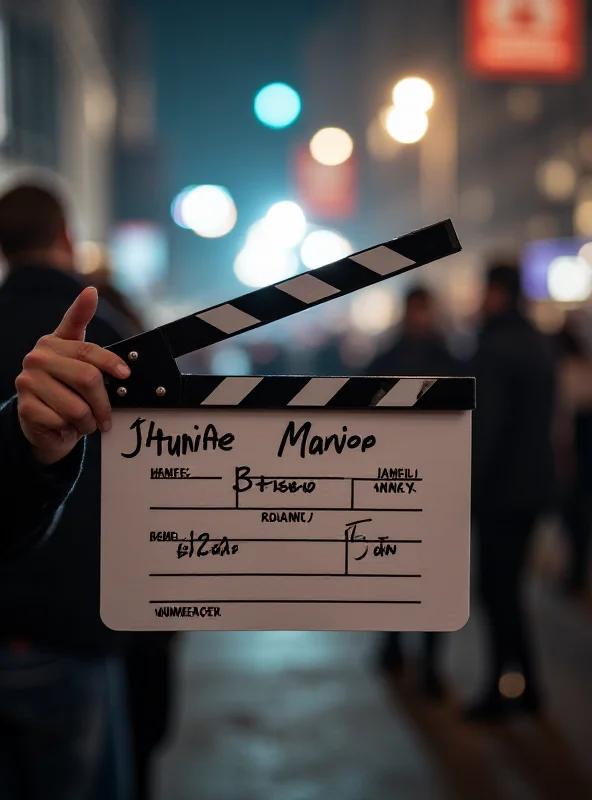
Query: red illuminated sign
pixel 525 39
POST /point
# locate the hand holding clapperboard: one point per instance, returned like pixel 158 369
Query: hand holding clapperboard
pixel 292 502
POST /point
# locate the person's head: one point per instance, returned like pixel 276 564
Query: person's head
pixel 33 228
pixel 419 316
pixel 503 290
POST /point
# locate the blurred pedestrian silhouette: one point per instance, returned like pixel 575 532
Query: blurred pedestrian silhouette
pixel 574 437
pixel 419 349
pixel 513 482
pixel 62 688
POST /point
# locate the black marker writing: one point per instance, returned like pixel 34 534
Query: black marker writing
pixel 180 444
pixel 197 546
pixel 243 482
pixel 319 444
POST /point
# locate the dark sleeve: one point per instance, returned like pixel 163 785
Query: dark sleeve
pixel 31 495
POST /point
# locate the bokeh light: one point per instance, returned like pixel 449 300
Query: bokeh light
pixel 331 146
pixel 556 179
pixel 90 256
pixel 583 218
pixel 323 247
pixel 177 207
pixel 414 94
pixel 208 210
pixel 285 224
pixel 260 264
pixel 512 685
pixel 586 252
pixel 406 125
pixel 277 105
pixel 569 279
pixel 374 310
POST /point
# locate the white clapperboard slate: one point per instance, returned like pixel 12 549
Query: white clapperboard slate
pixel 307 503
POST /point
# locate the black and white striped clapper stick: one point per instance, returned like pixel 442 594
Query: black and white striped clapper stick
pixel 147 352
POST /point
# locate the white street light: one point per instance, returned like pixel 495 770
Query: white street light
pixel 324 247
pixel 406 125
pixel 285 224
pixel 331 146
pixel 413 93
pixel 259 264
pixel 208 210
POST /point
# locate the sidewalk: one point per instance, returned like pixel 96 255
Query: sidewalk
pixel 303 716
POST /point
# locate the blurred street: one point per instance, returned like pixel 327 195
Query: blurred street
pixel 306 716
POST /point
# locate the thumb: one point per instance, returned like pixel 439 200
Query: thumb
pixel 77 317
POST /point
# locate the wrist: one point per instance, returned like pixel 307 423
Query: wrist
pixel 45 457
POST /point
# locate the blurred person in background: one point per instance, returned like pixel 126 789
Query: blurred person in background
pixel 327 357
pixel 574 454
pixel 513 483
pixel 62 686
pixel 147 656
pixel 94 264
pixel 419 349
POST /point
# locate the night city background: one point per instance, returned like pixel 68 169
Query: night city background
pixel 211 148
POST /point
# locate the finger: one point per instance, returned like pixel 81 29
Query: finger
pixel 66 403
pixel 103 360
pixel 34 412
pixel 87 381
pixel 73 325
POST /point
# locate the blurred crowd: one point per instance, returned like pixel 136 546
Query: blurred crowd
pixel 83 708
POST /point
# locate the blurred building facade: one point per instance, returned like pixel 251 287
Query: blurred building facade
pixel 59 100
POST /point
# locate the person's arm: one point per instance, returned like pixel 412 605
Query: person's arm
pixel 61 397
pixel 31 494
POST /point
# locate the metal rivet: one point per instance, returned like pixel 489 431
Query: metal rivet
pixel 161 391
pixel 121 391
pixel 133 356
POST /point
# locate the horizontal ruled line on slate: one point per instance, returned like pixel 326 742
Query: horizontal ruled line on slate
pixel 275 575
pixel 388 480
pixel 292 602
pixel 186 478
pixel 302 539
pixel 276 508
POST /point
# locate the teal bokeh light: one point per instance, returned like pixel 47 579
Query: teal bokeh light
pixel 277 105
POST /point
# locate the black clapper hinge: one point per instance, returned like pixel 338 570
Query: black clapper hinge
pixel 155 380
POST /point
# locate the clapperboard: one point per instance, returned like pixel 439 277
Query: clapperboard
pixel 298 502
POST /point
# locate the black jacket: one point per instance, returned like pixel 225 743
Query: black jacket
pixel 51 595
pixel 31 495
pixel 415 357
pixel 513 467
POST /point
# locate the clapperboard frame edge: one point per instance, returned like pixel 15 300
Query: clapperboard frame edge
pixel 156 381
